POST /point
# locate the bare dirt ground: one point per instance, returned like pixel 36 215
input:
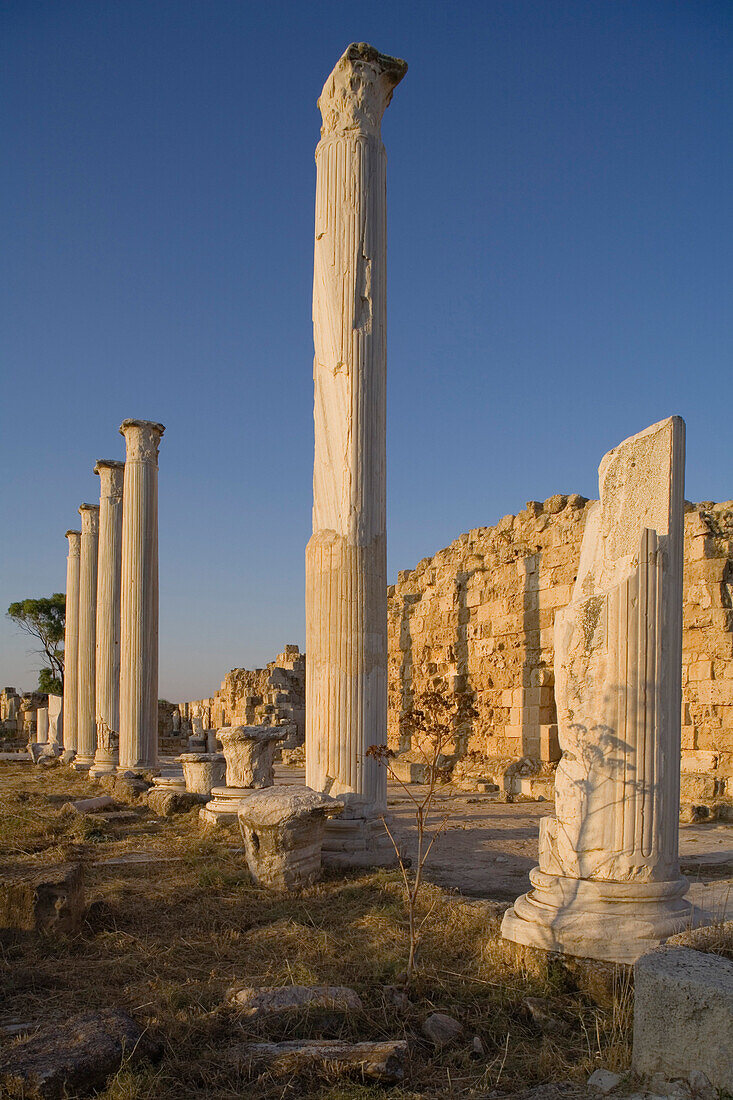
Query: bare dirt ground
pixel 489 846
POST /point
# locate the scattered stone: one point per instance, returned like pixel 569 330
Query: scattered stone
pixel 48 760
pixel 67 756
pixel 283 829
pixel 165 801
pixel 254 1002
pixel 73 1056
pixel 14 1029
pixel 604 1081
pixel 441 1029
pixel 383 1061
pixel 683 1015
pixel 477 1047
pixel 544 1015
pixel 90 805
pixel 699 1082
pixel 136 859
pixel 127 787
pixel 48 899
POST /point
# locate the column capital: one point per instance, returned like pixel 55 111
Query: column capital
pixel 142 438
pixel 89 518
pixel 74 538
pixel 111 474
pixel 358 91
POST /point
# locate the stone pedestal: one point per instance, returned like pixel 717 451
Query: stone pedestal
pixel 86 724
pixel 139 601
pixel 346 574
pixel 224 805
pixel 202 771
pixel 608 884
pixel 109 576
pixel 71 642
pixel 282 829
pixel 250 753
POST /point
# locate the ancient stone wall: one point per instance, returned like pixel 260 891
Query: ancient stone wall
pixel 262 696
pixel 478 617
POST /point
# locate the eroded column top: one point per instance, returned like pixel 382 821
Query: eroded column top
pixel 74 538
pixel 111 473
pixel 358 91
pixel 142 438
pixel 89 518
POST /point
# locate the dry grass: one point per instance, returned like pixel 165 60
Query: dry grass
pixel 165 942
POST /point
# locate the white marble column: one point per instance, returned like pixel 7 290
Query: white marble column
pixel 71 642
pixel 608 885
pixel 346 567
pixel 109 575
pixel 86 725
pixel 139 604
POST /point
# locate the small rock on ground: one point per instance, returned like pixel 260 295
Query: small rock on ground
pixel 441 1029
pixel 255 1002
pixel 604 1081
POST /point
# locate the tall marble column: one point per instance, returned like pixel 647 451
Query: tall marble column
pixel 42 725
pixel 608 885
pixel 71 642
pixel 139 603
pixel 346 567
pixel 109 576
pixel 86 725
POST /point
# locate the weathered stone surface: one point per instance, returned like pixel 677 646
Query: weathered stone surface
pixel 608 883
pixel 441 1029
pixel 48 899
pixel 165 802
pixel 346 565
pixel 604 1081
pixel 73 1057
pixel 384 1062
pixel 202 771
pixel 256 1002
pixel 86 725
pixel 282 829
pixel 683 1015
pixel 250 754
pixel 90 805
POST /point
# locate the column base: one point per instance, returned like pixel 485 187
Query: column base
pixel 597 919
pixel 224 805
pixel 102 767
pixel 82 763
pixel 357 842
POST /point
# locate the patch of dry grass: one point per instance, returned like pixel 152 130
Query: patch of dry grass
pixel 165 941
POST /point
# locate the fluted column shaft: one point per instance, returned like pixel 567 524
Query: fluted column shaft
pixel 71 641
pixel 139 603
pixel 346 567
pixel 86 725
pixel 109 576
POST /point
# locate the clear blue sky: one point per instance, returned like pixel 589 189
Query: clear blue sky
pixel 560 230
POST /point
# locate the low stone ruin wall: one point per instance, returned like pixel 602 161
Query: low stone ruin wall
pixel 262 696
pixel 477 618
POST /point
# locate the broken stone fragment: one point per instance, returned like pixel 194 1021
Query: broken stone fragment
pixel 90 805
pixel 255 1002
pixel 165 802
pixel 383 1061
pixel 250 754
pixel 604 1081
pixel 441 1029
pixel 283 830
pixel 73 1056
pixel 47 899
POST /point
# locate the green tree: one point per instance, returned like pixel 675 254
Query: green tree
pixel 45 620
pixel 49 683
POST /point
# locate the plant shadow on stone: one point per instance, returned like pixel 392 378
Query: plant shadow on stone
pixel 435 723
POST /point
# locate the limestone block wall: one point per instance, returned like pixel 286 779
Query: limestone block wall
pixel 262 696
pixel 478 618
